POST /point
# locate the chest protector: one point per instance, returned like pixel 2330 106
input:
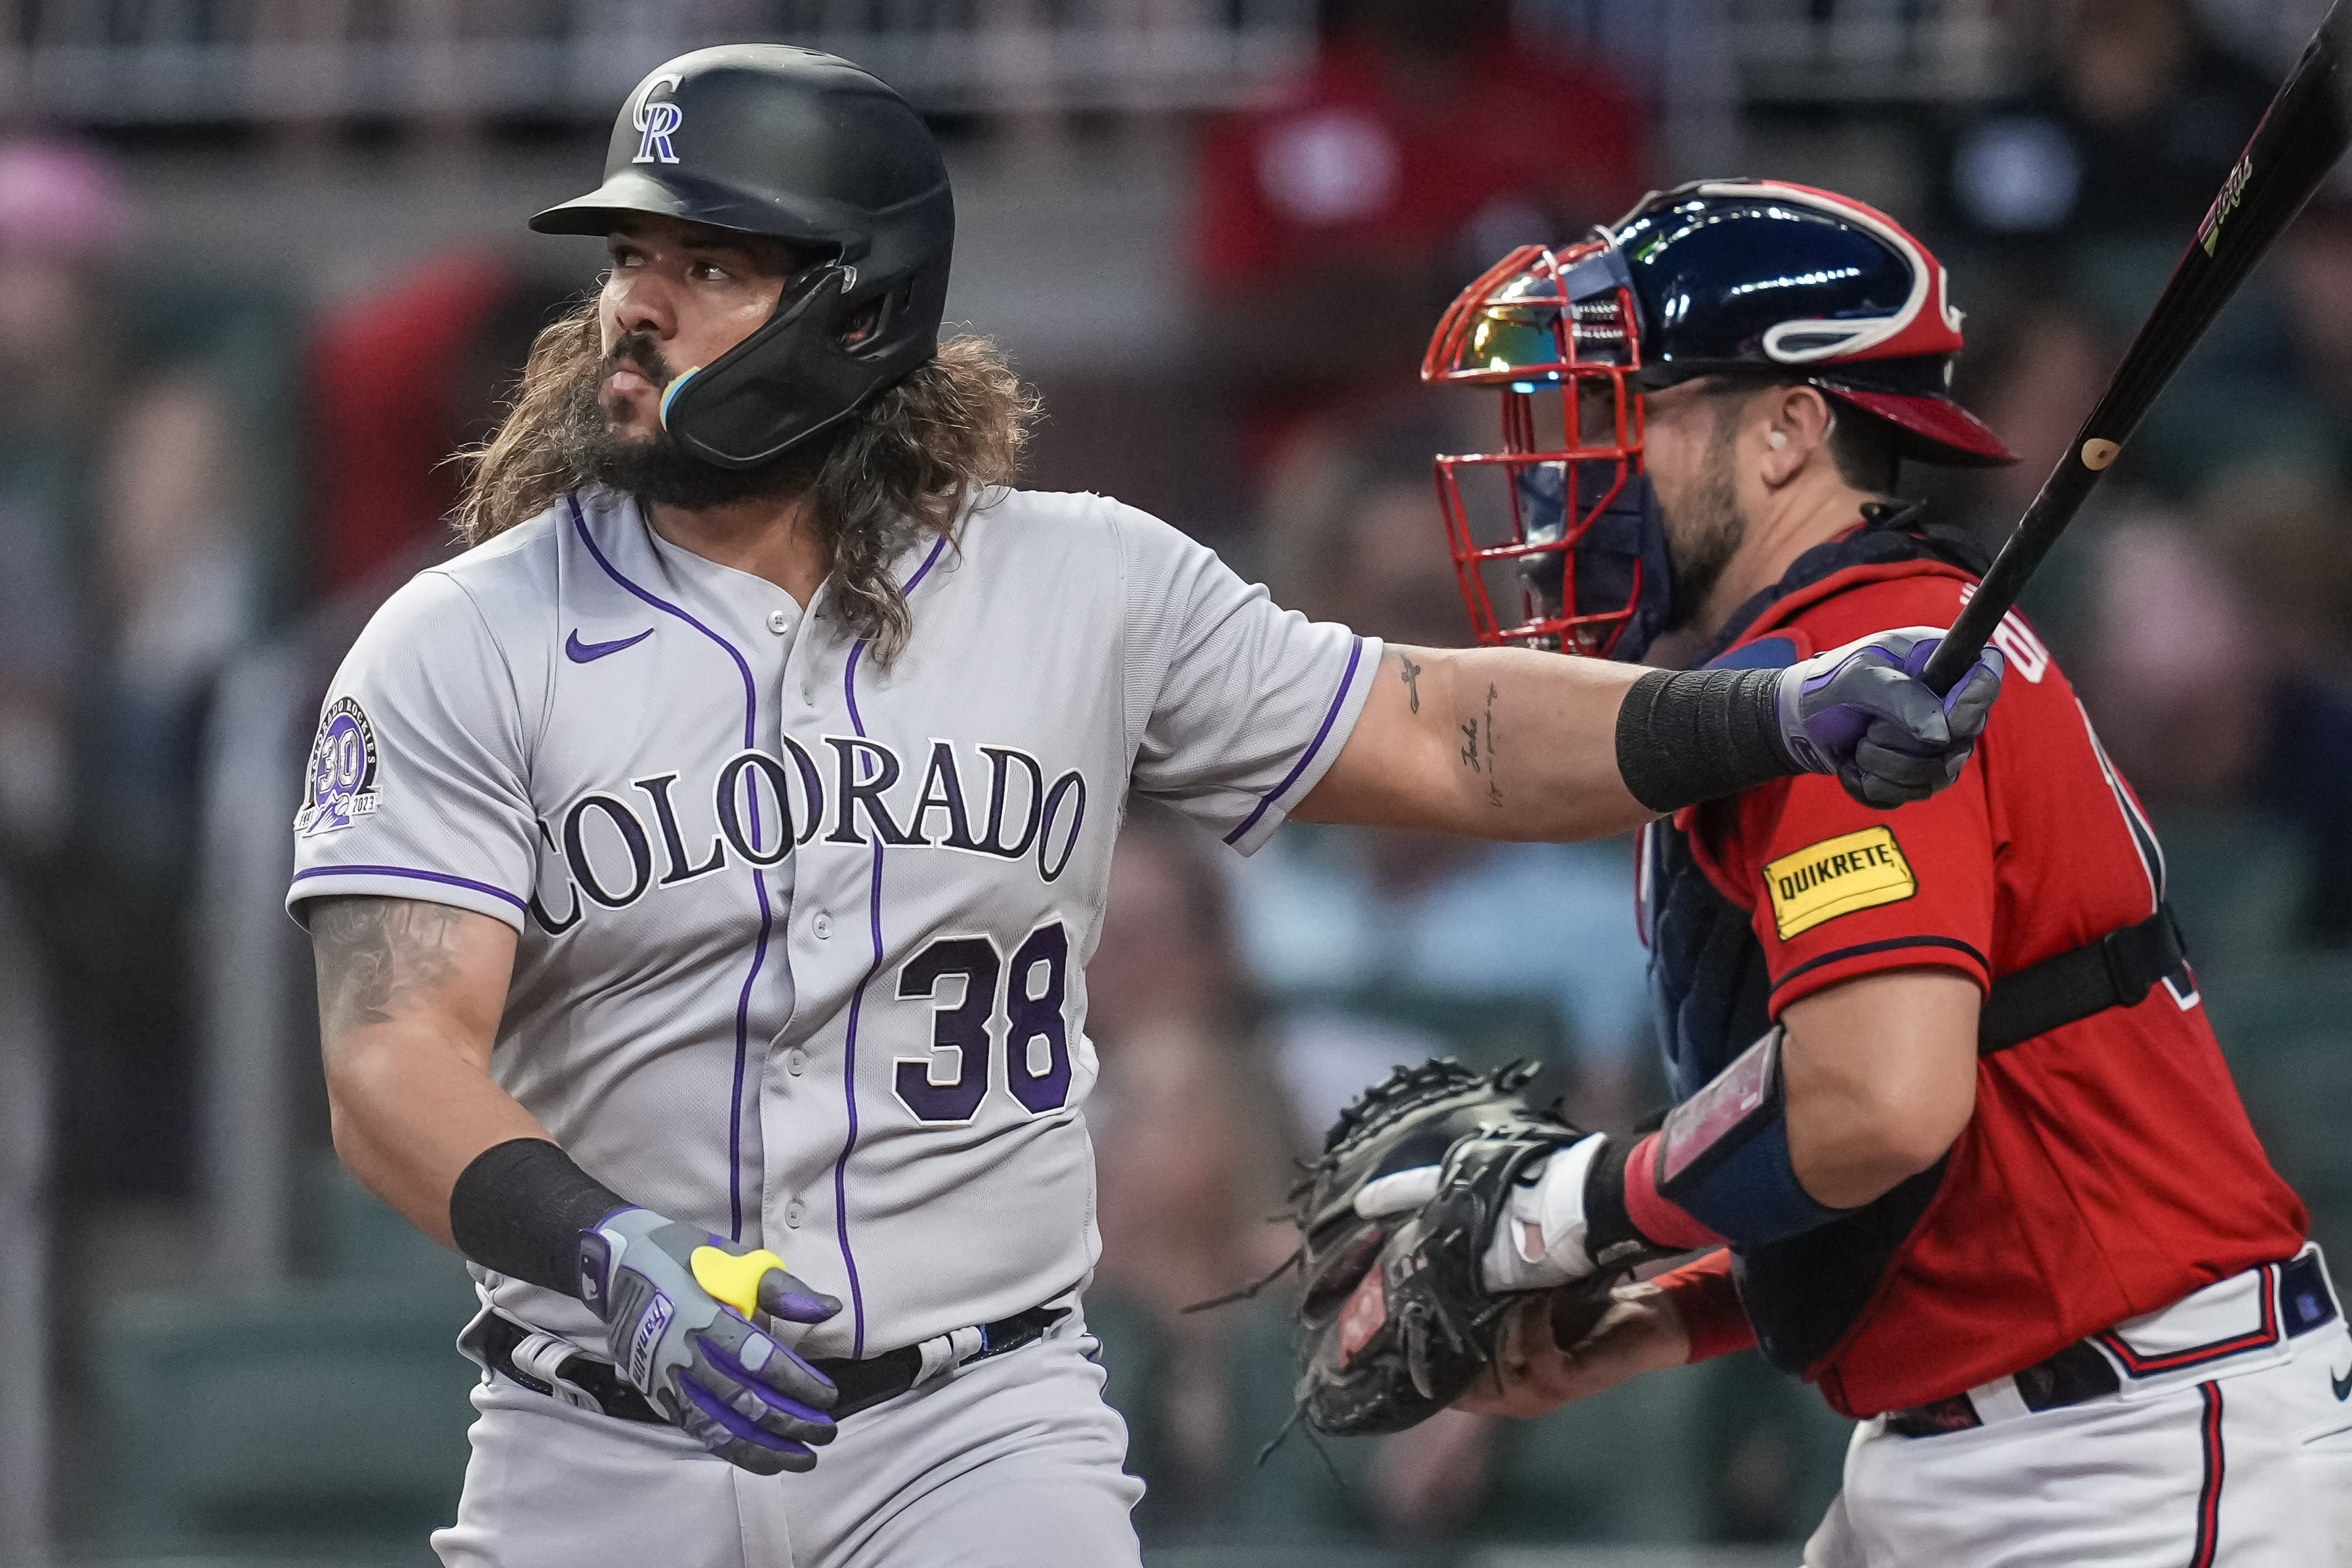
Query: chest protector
pixel 1710 988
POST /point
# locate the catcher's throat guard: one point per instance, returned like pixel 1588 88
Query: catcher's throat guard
pixel 1396 1321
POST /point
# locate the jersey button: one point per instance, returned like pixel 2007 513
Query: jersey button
pixel 779 623
pixel 822 923
pixel 795 1061
pixel 794 1212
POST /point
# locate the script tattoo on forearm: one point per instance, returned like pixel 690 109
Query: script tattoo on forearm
pixel 377 957
pixel 1478 748
pixel 1411 676
pixel 1493 789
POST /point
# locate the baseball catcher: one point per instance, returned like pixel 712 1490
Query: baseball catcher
pixel 1952 1130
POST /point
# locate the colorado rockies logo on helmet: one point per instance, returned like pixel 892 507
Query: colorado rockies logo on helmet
pixel 657 120
pixel 342 782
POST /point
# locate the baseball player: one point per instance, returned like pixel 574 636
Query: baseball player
pixel 702 868
pixel 1948 1098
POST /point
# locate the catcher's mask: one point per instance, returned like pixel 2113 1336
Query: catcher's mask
pixel 1713 278
pixel 1557 332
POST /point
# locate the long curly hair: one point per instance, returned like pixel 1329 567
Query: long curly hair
pixel 908 462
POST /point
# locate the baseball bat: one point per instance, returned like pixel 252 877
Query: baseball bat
pixel 2305 126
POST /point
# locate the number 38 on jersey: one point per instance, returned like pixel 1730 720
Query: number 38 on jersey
pixel 978 995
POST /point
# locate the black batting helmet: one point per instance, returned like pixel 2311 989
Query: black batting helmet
pixel 767 139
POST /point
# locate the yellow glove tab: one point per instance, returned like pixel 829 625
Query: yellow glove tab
pixel 732 1280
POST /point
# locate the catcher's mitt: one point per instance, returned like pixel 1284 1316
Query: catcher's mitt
pixel 1396 1319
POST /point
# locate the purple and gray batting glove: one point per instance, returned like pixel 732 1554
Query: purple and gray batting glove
pixel 1862 713
pixel 680 1305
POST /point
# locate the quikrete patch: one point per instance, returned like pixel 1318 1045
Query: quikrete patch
pixel 1838 876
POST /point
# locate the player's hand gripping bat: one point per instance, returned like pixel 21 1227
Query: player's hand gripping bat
pixel 2301 134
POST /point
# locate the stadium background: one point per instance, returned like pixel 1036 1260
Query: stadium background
pixel 262 268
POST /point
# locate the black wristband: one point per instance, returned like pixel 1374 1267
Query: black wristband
pixel 1611 1238
pixel 1688 735
pixel 518 1210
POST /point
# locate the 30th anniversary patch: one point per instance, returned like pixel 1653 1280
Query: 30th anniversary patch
pixel 342 782
pixel 1838 876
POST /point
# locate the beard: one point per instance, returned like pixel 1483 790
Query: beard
pixel 1705 530
pixel 656 468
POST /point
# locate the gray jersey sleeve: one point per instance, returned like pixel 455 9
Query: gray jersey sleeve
pixel 415 785
pixel 1238 706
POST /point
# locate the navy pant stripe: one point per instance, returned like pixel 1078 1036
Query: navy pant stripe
pixel 2209 1497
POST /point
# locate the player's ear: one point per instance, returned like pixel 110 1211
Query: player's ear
pixel 1797 423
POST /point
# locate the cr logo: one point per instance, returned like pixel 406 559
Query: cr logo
pixel 657 120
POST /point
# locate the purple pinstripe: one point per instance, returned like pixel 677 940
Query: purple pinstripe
pixel 743 1054
pixel 857 1002
pixel 759 878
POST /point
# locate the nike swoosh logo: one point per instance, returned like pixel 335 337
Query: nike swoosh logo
pixel 580 653
pixel 2343 1386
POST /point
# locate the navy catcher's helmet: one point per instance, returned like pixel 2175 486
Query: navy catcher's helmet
pixel 1716 276
pixel 767 139
pixel 1746 275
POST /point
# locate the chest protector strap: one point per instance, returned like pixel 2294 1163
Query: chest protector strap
pixel 1723 1155
pixel 2117 970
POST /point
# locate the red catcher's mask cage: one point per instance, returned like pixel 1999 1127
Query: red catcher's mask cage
pixel 1564 353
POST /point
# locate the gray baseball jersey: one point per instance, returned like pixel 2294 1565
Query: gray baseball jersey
pixel 802 938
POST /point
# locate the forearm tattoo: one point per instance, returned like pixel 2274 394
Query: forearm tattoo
pixel 1411 676
pixel 378 956
pixel 1478 748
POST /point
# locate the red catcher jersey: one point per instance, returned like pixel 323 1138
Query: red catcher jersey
pixel 2109 1168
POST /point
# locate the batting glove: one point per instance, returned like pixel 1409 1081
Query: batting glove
pixel 679 1305
pixel 1862 713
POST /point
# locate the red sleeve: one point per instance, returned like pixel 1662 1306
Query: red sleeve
pixel 1838 890
pixel 1703 1293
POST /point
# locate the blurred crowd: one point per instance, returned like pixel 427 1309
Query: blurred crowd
pixel 187 472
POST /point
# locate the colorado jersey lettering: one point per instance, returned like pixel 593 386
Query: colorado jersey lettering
pixel 801 939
